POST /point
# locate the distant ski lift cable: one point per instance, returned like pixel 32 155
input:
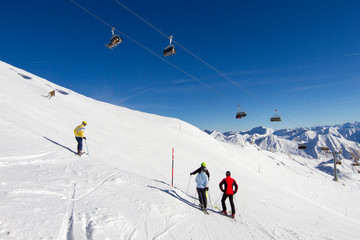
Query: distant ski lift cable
pixel 201 60
pixel 173 65
pixel 152 52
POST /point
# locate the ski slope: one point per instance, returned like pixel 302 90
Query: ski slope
pixel 122 189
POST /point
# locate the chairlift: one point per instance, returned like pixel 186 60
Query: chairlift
pixel 240 114
pixel 169 50
pixel 275 118
pixel 338 162
pixel 355 164
pixel 324 148
pixel 302 146
pixel 114 41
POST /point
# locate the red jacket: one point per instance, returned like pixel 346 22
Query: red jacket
pixel 229 184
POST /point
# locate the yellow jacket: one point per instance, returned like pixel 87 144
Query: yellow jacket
pixel 80 131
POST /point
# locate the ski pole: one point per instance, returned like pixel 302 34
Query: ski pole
pixel 188 185
pixel 87 149
pixel 211 205
pixel 216 206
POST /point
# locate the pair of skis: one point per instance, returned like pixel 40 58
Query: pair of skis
pixel 229 216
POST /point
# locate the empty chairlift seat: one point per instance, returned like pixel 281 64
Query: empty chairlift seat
pixel 275 118
pixel 169 50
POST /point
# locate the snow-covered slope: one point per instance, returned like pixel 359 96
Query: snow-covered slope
pixel 122 189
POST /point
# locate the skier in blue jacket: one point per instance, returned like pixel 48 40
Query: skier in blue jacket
pixel 202 181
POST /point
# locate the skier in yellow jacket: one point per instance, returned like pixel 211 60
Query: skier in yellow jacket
pixel 79 136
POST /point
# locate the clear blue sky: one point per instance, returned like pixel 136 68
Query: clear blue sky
pixel 301 57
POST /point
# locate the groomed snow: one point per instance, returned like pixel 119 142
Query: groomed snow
pixel 122 190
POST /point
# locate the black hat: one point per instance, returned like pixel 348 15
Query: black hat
pixel 228 173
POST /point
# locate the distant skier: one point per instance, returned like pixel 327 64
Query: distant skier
pixel 51 94
pixel 229 191
pixel 79 136
pixel 202 181
pixel 202 167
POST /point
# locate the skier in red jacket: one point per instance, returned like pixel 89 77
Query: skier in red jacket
pixel 229 191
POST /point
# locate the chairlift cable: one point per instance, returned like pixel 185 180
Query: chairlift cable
pixel 201 60
pixel 152 52
pixel 141 18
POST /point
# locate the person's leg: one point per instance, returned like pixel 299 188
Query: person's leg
pixel 223 202
pixel 203 191
pixel 79 146
pixel 201 197
pixel 231 198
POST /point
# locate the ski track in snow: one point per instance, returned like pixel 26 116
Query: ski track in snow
pixel 88 227
pixel 66 231
pixel 98 186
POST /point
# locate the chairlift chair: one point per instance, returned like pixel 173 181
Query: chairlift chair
pixel 338 162
pixel 114 40
pixel 169 50
pixel 324 148
pixel 239 114
pixel 355 164
pixel 275 118
pixel 302 146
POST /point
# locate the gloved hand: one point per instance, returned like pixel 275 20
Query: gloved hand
pixel 207 188
pixel 84 138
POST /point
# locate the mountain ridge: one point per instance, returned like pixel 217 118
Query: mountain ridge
pixel 344 137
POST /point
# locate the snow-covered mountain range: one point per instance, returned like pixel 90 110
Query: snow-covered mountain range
pixel 122 189
pixel 344 137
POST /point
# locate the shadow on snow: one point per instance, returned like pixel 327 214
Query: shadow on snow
pixel 59 145
pixel 174 194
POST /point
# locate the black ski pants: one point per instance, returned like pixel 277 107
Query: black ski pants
pixel 202 197
pixel 231 199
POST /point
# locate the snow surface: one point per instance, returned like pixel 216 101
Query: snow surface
pixel 122 189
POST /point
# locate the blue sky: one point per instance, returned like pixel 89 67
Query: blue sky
pixel 301 57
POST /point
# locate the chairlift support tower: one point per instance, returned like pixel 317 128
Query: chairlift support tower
pixel 334 153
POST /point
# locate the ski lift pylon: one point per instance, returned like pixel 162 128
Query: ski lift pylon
pixel 169 50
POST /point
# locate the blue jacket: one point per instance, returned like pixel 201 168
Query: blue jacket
pixel 201 180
